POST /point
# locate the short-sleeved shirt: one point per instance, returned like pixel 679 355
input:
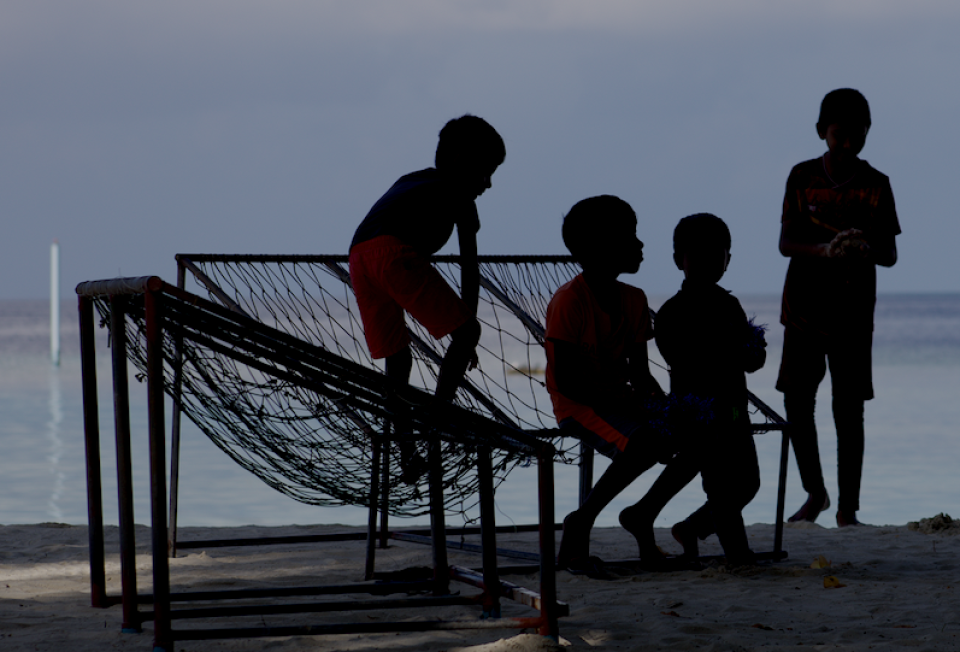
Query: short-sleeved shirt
pixel 574 316
pixel 420 210
pixel 830 297
pixel 702 333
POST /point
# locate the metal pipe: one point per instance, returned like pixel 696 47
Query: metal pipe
pixel 385 494
pixel 343 258
pixel 423 534
pixel 781 492
pixel 375 588
pixel 91 438
pixel 175 418
pixel 372 506
pixel 121 417
pixel 586 472
pixel 153 307
pixel 114 286
pixel 488 534
pixel 441 571
pixel 322 607
pixel 548 573
pixel 354 628
pixel 211 286
pixel 465 547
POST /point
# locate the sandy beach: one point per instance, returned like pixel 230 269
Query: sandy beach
pixel 865 588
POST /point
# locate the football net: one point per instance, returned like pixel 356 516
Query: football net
pixel 319 453
pixel 326 458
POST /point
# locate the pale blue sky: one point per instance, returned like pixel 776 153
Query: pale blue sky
pixel 134 131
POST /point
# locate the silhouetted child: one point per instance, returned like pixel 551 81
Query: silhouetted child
pixel 598 376
pixel 706 339
pixel 839 222
pixel 391 271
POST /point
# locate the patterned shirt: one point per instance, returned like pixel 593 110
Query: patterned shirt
pixel 833 297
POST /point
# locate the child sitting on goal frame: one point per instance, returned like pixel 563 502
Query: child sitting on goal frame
pixel 598 377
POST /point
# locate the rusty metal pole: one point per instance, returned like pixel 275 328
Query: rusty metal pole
pixel 91 435
pixel 385 493
pixel 781 493
pixel 586 472
pixel 488 534
pixel 153 306
pixel 121 414
pixel 438 528
pixel 548 572
pixel 175 430
pixel 372 508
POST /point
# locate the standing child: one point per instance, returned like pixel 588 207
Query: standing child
pixel 391 271
pixel 598 376
pixel 839 222
pixel 705 338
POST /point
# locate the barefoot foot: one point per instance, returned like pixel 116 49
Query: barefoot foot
pixel 685 535
pixel 575 542
pixel 637 523
pixel 815 504
pixel 847 518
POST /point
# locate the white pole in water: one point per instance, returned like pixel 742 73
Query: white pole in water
pixel 55 303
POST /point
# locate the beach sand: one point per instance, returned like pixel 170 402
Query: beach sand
pixel 899 589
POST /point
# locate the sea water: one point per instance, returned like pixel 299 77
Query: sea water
pixel 909 468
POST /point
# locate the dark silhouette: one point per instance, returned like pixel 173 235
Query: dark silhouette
pixel 598 376
pixel 706 339
pixel 391 272
pixel 839 222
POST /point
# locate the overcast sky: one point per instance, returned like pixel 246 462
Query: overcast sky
pixel 133 131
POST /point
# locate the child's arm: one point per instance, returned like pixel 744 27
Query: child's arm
pixel 469 269
pixel 845 244
pixel 755 346
pixel 642 381
pixel 575 375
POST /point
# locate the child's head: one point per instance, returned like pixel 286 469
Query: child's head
pixel 701 247
pixel 844 122
pixel 470 150
pixel 601 233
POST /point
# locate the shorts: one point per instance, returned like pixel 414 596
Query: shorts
pixel 806 357
pixel 606 432
pixel 390 277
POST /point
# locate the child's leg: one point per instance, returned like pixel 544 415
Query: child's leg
pixel 800 409
pixel 625 467
pixel 851 369
pixel 802 368
pixel 463 344
pixel 739 483
pixel 398 366
pixel 638 519
pixel 731 479
pixel 848 417
pixel 623 470
pixel 412 464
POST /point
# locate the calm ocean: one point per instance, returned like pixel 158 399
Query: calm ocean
pixel 909 471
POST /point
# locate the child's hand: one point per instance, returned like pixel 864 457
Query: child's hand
pixel 848 244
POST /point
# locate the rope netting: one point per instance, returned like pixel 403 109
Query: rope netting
pixel 310 298
pixel 301 419
pixel 311 447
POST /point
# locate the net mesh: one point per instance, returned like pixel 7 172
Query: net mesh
pixel 316 450
pixel 301 419
pixel 310 298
